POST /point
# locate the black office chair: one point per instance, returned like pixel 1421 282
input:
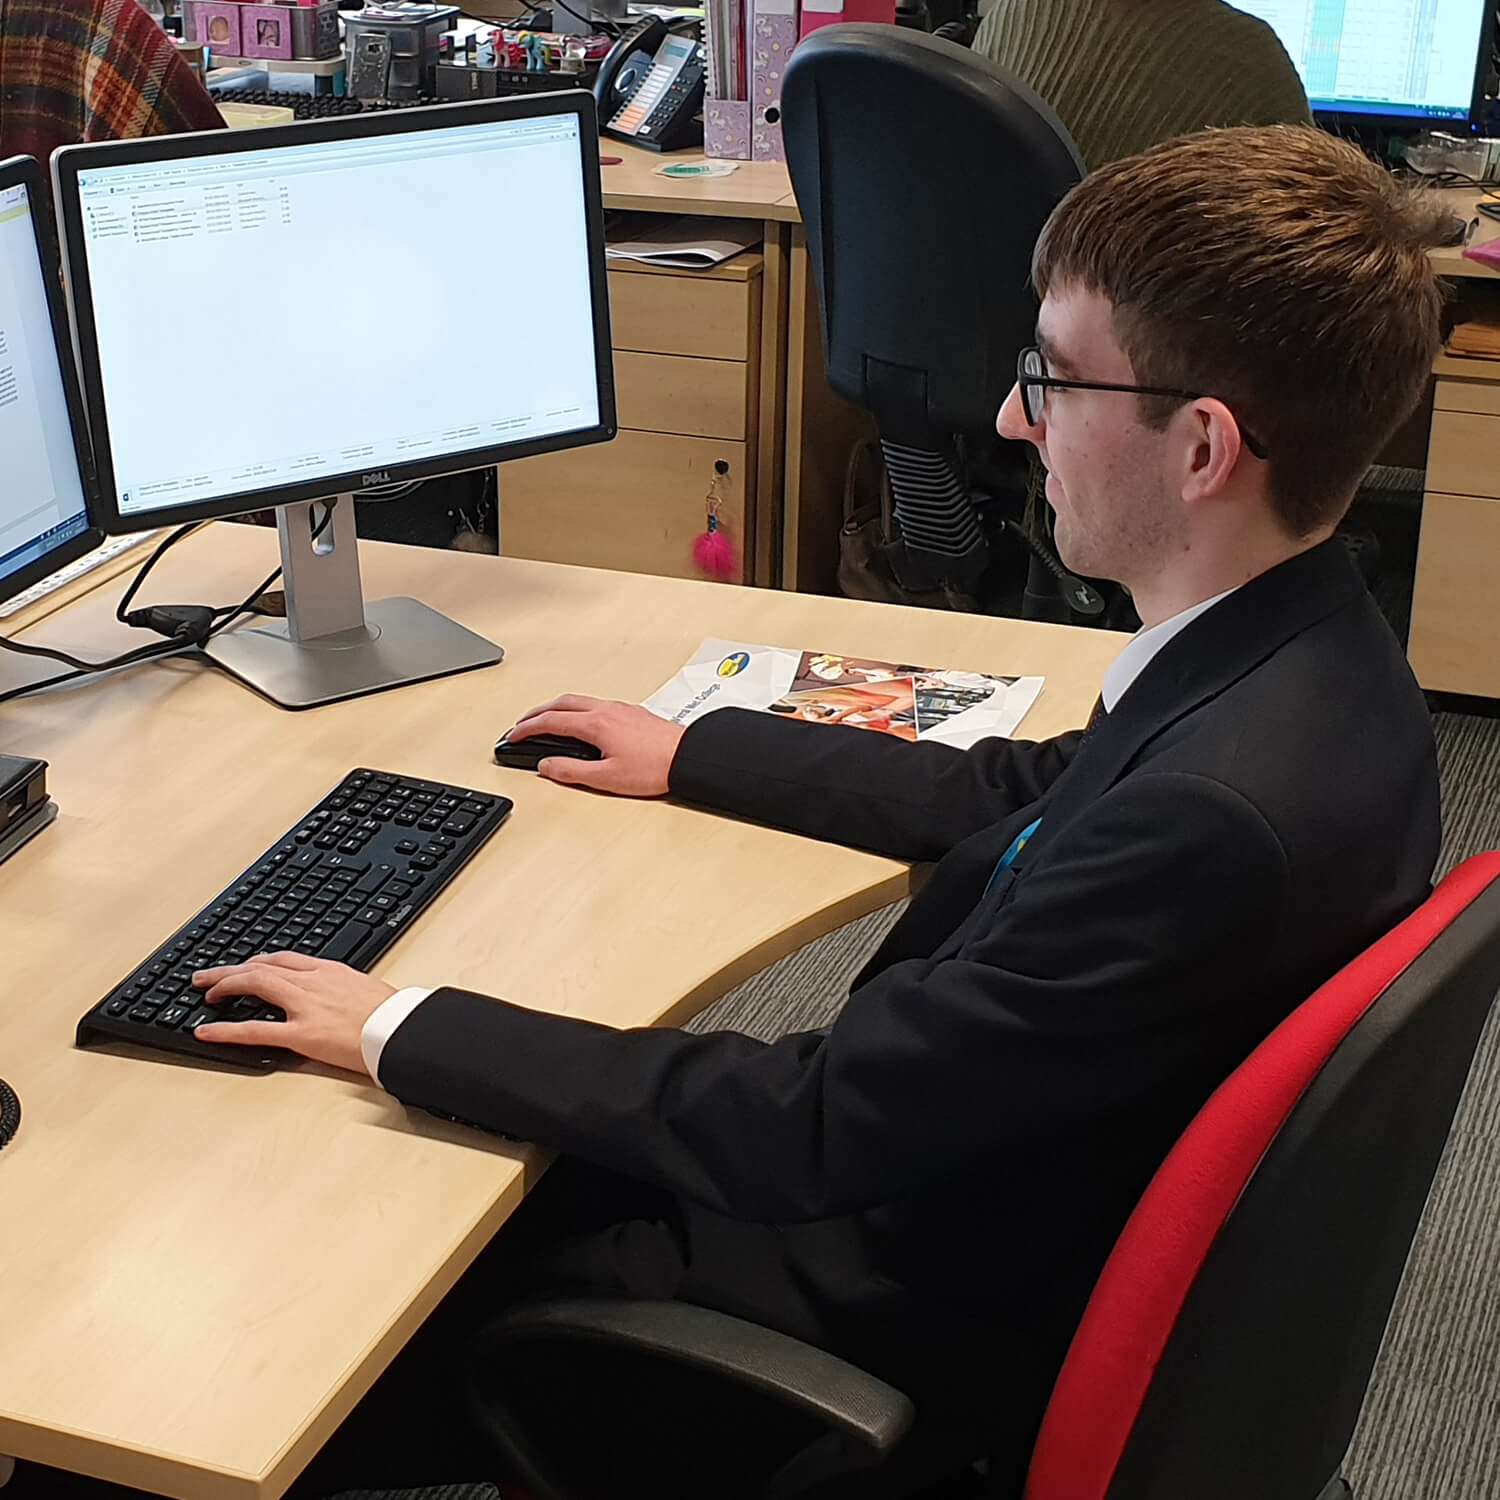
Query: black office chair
pixel 1225 1349
pixel 923 173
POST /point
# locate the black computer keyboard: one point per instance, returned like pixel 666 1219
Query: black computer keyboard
pixel 317 106
pixel 344 883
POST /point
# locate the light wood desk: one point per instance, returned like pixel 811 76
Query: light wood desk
pixel 784 436
pixel 203 1270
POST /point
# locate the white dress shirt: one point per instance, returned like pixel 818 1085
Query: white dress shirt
pixel 1122 671
pixel 1142 646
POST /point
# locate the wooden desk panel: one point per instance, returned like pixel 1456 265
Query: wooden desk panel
pixel 205 1270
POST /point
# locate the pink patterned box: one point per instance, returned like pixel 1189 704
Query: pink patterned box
pixel 816 13
pixel 216 24
pixel 726 128
pixel 773 34
pixel 265 31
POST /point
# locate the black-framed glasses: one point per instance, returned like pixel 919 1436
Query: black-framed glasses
pixel 1034 381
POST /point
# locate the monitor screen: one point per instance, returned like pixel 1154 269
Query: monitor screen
pixel 44 514
pixel 1396 59
pixel 335 306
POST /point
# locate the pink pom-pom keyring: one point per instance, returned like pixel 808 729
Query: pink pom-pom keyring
pixel 714 550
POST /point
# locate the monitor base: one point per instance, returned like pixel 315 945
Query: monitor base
pixel 402 641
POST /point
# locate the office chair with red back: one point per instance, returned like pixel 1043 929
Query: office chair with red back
pixel 91 70
pixel 1226 1347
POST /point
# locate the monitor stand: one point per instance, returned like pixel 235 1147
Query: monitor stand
pixel 332 645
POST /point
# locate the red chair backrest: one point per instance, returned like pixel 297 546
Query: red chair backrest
pixel 1242 1229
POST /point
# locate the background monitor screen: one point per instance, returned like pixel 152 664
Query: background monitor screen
pixel 44 515
pixel 1398 59
pixel 260 323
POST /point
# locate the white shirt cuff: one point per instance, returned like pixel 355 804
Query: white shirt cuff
pixel 382 1024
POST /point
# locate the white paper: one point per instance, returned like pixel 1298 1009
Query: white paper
pixel 689 241
pixel 909 702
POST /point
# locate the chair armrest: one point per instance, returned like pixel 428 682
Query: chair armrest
pixel 843 1397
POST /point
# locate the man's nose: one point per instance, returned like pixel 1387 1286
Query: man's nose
pixel 1011 421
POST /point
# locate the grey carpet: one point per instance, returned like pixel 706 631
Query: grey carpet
pixel 1430 1428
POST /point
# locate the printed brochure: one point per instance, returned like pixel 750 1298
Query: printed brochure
pixel 896 698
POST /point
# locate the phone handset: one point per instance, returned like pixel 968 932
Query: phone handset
pixel 650 87
pixel 616 82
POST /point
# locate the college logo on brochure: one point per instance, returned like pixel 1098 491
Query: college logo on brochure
pixel 734 664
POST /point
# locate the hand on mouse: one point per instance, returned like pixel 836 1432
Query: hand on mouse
pixel 636 746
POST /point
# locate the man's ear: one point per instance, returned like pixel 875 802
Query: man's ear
pixel 1214 449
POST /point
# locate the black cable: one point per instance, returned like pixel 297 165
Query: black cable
pixel 193 624
pixel 151 562
pixel 10 1112
pixel 1078 595
pixel 155 651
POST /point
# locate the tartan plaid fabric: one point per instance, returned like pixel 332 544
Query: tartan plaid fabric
pixel 91 70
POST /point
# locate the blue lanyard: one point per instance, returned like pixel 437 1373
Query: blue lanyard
pixel 1007 859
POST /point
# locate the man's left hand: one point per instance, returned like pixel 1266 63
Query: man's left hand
pixel 326 1006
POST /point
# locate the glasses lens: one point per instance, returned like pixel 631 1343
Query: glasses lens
pixel 1032 395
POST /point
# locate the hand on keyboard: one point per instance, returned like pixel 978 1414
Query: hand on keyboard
pixel 326 1006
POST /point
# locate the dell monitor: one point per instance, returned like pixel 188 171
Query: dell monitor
pixel 44 511
pixel 349 271
pixel 1391 63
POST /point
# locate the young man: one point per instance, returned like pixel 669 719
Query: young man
pixel 1230 326
pixel 1126 74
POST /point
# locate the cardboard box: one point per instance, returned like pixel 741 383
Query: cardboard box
pixel 726 128
pixel 253 116
pixel 216 24
pixel 265 31
pixel 773 35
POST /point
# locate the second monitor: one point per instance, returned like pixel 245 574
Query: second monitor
pixel 363 255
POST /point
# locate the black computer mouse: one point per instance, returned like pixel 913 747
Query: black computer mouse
pixel 523 755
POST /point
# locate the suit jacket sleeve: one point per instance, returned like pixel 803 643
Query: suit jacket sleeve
pixel 854 786
pixel 1095 982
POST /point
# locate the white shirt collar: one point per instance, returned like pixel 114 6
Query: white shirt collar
pixel 1142 646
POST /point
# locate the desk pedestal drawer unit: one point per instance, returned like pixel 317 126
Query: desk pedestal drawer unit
pixel 687 378
pixel 1455 641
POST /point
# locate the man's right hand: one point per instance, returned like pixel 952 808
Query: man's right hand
pixel 636 746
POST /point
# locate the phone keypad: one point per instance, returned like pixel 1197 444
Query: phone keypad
pixel 663 113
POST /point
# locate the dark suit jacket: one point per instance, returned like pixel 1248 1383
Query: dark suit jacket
pixel 1016 1060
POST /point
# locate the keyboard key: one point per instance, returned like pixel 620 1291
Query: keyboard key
pixel 349 937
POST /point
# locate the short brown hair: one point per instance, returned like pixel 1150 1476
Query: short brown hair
pixel 1276 268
